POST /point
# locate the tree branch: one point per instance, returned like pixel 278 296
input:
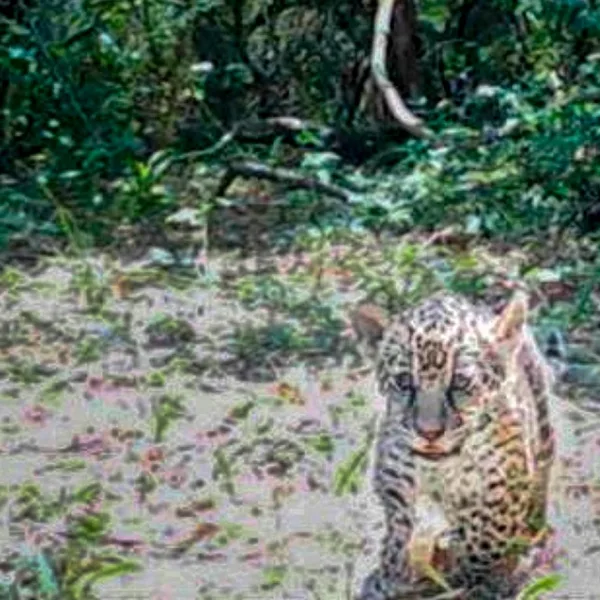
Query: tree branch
pixel 401 113
pixel 249 168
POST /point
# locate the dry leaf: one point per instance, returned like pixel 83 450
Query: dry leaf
pixel 290 393
pixel 120 287
pixel 205 530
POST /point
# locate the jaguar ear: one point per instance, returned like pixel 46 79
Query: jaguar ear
pixel 509 325
pixel 369 323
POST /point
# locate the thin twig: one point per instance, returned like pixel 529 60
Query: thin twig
pixel 221 143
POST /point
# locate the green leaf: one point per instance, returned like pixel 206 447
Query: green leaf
pixel 88 493
pixel 547 583
pixel 347 475
pixel 273 577
pixel 117 567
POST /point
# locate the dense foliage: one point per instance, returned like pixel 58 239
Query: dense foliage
pixel 101 97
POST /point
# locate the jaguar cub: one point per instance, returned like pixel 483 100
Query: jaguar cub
pixel 467 397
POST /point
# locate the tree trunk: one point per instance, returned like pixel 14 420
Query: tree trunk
pixel 382 94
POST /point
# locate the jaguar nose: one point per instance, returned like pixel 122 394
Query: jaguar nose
pixel 431 434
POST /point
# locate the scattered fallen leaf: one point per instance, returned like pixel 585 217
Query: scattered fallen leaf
pixel 193 508
pixel 205 530
pixel 290 393
pixel 120 287
pixel 257 555
pixel 37 414
pixel 211 556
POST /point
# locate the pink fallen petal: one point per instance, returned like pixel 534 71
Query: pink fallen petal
pixel 175 477
pixel 91 444
pixel 36 414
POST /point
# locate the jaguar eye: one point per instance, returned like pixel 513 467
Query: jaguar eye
pixel 404 382
pixel 460 382
pixel 457 397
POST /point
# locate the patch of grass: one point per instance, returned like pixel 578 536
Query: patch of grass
pixel 27 371
pixel 66 465
pixel 156 379
pixel 273 577
pixel 11 279
pixel 68 570
pixel 223 470
pixel 53 391
pixel 323 444
pixel 165 410
pixel 103 567
pixel 166 330
pixel 243 410
pixel 89 349
pixel 92 287
pixel 230 532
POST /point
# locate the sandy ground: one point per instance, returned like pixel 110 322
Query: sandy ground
pixel 278 529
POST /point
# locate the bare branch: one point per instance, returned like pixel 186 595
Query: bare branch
pixel 255 169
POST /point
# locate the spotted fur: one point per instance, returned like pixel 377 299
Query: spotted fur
pixel 467 400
